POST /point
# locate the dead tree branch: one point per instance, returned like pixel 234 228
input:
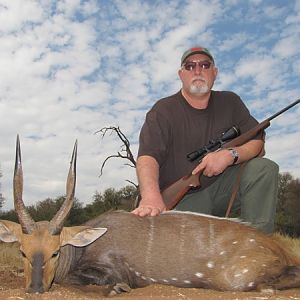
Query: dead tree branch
pixel 124 153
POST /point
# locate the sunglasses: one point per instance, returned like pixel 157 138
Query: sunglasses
pixel 191 65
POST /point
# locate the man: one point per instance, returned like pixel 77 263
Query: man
pixel 187 121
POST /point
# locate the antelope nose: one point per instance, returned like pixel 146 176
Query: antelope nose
pixel 35 289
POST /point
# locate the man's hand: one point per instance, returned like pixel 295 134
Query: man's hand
pixel 143 211
pixel 150 208
pixel 214 163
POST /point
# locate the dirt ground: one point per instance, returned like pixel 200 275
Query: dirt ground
pixel 12 287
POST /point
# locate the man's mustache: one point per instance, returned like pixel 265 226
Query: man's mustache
pixel 198 78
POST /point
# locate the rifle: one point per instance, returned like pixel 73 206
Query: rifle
pixel 175 192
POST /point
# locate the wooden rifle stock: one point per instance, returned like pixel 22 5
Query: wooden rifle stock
pixel 176 191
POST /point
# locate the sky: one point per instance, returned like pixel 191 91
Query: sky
pixel 71 67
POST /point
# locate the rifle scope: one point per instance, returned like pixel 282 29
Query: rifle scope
pixel 213 145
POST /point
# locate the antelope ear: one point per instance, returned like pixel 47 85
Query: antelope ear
pixel 10 231
pixel 80 236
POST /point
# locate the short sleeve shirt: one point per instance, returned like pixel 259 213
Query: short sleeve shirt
pixel 173 128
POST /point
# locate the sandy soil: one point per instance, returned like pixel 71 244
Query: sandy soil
pixel 12 287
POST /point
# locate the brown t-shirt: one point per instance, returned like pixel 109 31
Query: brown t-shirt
pixel 173 129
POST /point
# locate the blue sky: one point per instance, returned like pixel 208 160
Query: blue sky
pixel 71 67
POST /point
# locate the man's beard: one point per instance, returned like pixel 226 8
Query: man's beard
pixel 197 89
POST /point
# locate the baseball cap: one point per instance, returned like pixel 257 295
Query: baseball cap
pixel 196 50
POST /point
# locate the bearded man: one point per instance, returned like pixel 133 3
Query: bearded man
pixel 188 120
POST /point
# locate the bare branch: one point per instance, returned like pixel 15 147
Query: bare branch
pixel 104 162
pixel 131 182
pixel 124 153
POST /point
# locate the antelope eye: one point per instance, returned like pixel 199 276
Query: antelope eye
pixel 56 253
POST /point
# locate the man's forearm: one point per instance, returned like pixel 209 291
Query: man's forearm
pixel 151 202
pixel 147 170
pixel 249 150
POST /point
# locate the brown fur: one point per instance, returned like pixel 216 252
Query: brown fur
pixel 185 250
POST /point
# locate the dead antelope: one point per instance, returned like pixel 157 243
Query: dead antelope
pixel 175 248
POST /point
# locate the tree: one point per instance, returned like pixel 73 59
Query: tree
pixel 125 152
pixel 122 199
pixel 77 215
pixel 96 207
pixel 111 199
pixel 284 180
pixel 46 209
pixel 9 215
pixel 288 209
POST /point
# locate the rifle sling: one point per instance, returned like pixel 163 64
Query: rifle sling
pixel 235 188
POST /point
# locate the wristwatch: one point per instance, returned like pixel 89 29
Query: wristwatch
pixel 234 154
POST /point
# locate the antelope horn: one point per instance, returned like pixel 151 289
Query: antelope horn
pixel 27 223
pixel 56 224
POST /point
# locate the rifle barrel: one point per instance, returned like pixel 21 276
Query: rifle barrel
pixel 283 110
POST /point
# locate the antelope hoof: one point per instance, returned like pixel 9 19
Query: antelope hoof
pixel 119 288
pixel 266 289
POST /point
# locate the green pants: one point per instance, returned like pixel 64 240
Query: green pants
pixel 256 198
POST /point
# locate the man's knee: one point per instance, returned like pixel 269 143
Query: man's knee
pixel 258 193
pixel 262 166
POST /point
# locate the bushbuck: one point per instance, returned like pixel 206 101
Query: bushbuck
pixel 127 251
